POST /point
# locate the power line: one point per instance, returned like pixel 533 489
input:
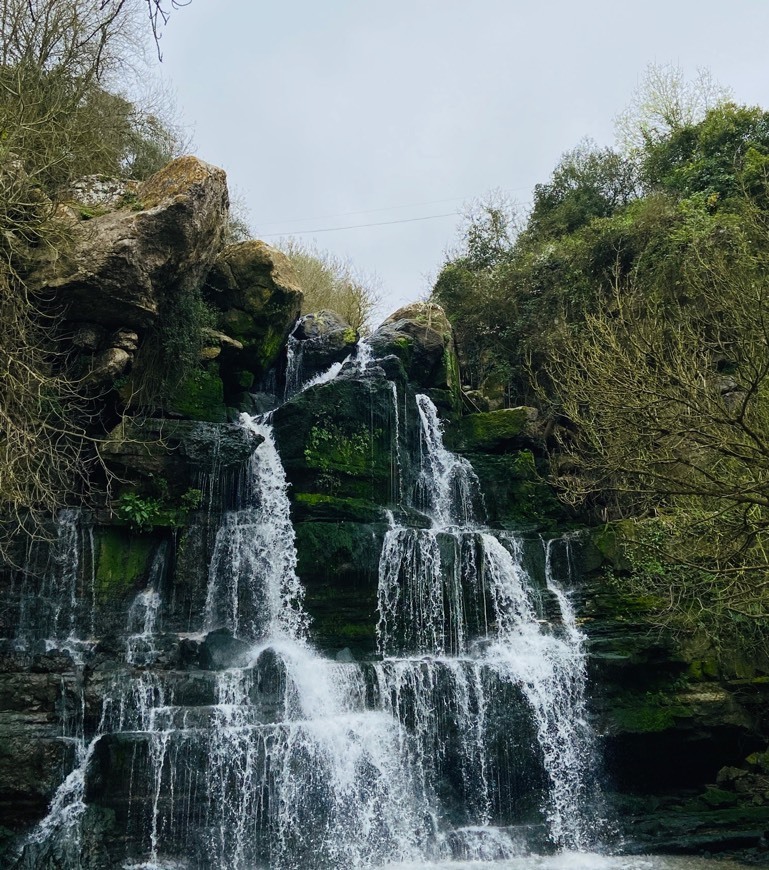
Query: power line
pixel 428 217
pixel 374 210
pixel 323 217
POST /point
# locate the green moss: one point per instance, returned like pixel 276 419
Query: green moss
pixel 515 492
pixel 612 539
pixel 200 396
pixel 352 631
pixel 87 212
pixel 699 669
pixel 245 379
pixel 329 448
pixel 237 324
pixel 716 798
pixel 489 431
pixel 269 347
pixel 350 335
pixel 321 506
pixel 122 561
pixel 649 715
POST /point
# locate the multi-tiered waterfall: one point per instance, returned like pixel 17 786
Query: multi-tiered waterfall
pixel 464 738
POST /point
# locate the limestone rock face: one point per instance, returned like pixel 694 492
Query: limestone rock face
pixel 122 262
pixel 258 296
pixel 420 335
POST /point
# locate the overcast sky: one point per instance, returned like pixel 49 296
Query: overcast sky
pixel 331 113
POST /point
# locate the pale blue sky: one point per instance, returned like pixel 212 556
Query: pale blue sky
pixel 401 110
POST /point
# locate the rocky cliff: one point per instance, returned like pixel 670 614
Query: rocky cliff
pixel 684 739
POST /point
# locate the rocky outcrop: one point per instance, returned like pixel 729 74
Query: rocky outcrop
pixel 257 296
pixel 176 452
pixel 420 335
pixel 317 342
pixel 159 242
pixel 496 431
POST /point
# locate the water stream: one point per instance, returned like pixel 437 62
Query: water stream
pixel 465 740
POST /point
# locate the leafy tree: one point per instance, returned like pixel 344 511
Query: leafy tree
pixel 470 289
pixel 665 102
pixel 633 309
pixel 667 398
pixel 589 182
pixel 723 156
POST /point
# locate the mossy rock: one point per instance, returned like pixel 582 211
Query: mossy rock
pixel 516 494
pixel 337 439
pixel 338 565
pixel 611 541
pixel 492 431
pixel 122 562
pixel 200 396
pixel 421 336
pixel 647 716
pixel 325 508
pixel 257 294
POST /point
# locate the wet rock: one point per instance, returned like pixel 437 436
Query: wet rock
pixel 420 335
pixel 177 451
pixel 337 439
pixel 495 431
pixel 220 650
pixel 320 340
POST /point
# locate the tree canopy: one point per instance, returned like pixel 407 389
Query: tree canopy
pixel 633 309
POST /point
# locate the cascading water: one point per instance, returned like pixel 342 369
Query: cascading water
pixel 58 608
pixel 294 760
pixel 459 629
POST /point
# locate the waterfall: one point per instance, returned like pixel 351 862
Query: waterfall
pixel 294 350
pixel 447 485
pixel 57 594
pixel 459 628
pixel 467 730
pixel 143 615
pixel 253 588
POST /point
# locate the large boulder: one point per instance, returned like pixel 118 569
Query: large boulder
pixel 159 242
pixel 420 335
pixel 257 294
pixel 318 341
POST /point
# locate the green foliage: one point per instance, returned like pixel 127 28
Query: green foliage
pixel 141 513
pixel 191 499
pixel 722 157
pixel 331 449
pixel 632 310
pixel 589 182
pixel 167 369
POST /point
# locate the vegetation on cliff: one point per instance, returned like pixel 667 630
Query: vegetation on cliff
pixel 63 116
pixel 632 307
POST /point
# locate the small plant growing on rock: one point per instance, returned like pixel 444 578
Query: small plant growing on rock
pixel 191 500
pixel 141 513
